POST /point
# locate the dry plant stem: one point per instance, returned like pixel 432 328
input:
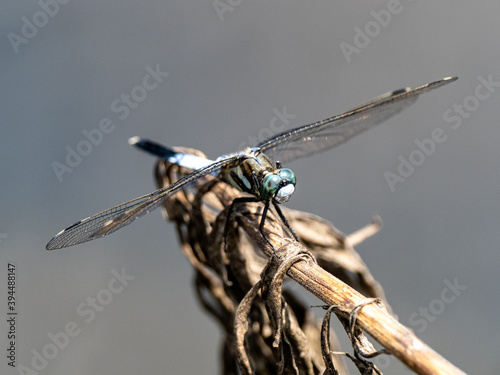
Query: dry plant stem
pixel 378 323
pixel 374 320
pixel 391 334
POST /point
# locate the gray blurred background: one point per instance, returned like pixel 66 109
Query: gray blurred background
pixel 230 69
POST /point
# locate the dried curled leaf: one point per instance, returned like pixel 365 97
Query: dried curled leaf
pixel 362 347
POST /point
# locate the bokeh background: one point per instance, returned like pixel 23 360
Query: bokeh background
pixel 232 65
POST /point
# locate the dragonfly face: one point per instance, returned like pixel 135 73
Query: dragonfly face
pixel 251 171
pixel 279 185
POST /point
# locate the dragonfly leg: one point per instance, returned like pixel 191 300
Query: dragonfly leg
pixel 230 212
pixel 284 220
pixel 261 227
pixel 262 221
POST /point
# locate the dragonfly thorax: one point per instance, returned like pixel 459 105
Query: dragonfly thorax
pixel 255 174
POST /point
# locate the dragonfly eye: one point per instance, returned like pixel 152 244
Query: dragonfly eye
pixel 288 176
pixel 270 186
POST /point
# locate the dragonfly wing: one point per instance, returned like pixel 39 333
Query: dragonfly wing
pixel 331 132
pixel 109 221
pixel 180 158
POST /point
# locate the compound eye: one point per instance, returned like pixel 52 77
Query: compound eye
pixel 288 176
pixel 269 186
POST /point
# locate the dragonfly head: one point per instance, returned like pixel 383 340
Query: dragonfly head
pixel 278 185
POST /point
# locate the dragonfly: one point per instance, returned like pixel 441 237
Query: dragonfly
pixel 256 171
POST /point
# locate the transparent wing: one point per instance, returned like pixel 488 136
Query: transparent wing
pixel 331 132
pixel 109 221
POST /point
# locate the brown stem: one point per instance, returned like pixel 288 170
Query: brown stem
pixel 390 333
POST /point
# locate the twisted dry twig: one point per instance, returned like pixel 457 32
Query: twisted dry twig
pixel 231 287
